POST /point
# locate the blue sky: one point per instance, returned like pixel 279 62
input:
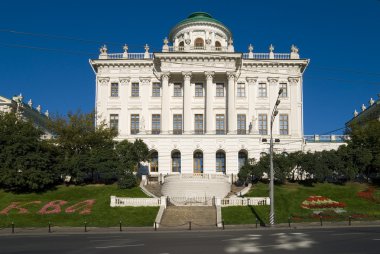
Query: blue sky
pixel 340 37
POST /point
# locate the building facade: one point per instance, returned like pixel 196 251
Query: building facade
pixel 200 106
pixel 26 112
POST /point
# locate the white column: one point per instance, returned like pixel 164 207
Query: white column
pixel 251 103
pixel 165 103
pixel 231 103
pixel 187 96
pixel 272 91
pixel 210 128
pixel 295 117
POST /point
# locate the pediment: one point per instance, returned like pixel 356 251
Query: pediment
pixel 4 100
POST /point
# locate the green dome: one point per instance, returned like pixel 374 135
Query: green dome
pixel 199 17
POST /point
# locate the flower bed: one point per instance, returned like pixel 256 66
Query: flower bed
pixel 320 202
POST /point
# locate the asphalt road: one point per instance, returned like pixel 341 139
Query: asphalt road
pixel 327 240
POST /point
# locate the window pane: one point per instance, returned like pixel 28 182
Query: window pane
pixel 220 162
pixel 198 90
pixel 177 124
pixel 156 90
pixel 219 90
pixel 198 124
pixel 220 129
pixel 156 124
pixel 135 90
pixel 262 90
pixel 241 90
pixel 284 124
pixel 154 162
pixel 114 121
pixel 241 124
pixel 263 124
pixel 284 87
pixel 135 124
pixel 114 90
pixel 177 90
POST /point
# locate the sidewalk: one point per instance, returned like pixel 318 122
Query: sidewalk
pixel 112 230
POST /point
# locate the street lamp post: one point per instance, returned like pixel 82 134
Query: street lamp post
pixel 271 194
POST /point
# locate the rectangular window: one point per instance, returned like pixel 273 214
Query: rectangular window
pixel 135 123
pixel 262 90
pixel 156 124
pixel 219 90
pixel 177 124
pixel 198 90
pixel 241 90
pixel 156 90
pixel 114 121
pixel 198 124
pixel 177 90
pixel 263 124
pixel 284 124
pixel 284 87
pixel 220 126
pixel 135 90
pixel 241 124
pixel 114 90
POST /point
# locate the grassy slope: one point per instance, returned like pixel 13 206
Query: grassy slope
pixel 290 196
pixel 102 214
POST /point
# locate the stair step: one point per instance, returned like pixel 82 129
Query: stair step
pixel 179 217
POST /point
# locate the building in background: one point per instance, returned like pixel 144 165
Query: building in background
pixel 200 106
pixel 27 112
pixel 372 112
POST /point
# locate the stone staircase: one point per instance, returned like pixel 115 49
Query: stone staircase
pixel 196 186
pixel 179 216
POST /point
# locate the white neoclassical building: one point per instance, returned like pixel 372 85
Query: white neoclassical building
pixel 200 106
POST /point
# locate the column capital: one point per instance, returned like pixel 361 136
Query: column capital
pixel 251 80
pixel 293 80
pixel 124 81
pixel 209 75
pixel 103 81
pixel 187 75
pixel 231 75
pixel 144 81
pixel 273 80
pixel 165 75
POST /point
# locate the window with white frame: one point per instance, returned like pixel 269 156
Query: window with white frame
pixel 156 89
pixel 114 121
pixel 220 124
pixel 177 124
pixel 135 90
pixel 156 124
pixel 284 124
pixel 263 124
pixel 177 90
pixel 198 90
pixel 241 90
pixel 114 90
pixel 241 124
pixel 219 90
pixel 135 123
pixel 198 124
pixel 262 90
pixel 284 87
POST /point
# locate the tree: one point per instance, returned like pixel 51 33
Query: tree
pixel 87 150
pixel 27 163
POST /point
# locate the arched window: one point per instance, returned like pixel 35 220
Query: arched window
pixel 218 46
pixel 181 46
pixel 176 161
pixel 198 162
pixel 243 157
pixel 199 43
pixel 154 161
pixel 221 161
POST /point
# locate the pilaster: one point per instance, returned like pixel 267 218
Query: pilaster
pixel 210 127
pixel 187 95
pixel 231 76
pixel 165 103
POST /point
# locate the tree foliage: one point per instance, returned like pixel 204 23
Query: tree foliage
pixel 26 162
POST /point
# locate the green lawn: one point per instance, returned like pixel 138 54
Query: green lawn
pixel 288 199
pixel 101 213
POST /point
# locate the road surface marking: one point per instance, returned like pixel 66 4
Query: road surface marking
pixel 119 246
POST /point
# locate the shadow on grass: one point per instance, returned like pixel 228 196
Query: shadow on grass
pixel 262 223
